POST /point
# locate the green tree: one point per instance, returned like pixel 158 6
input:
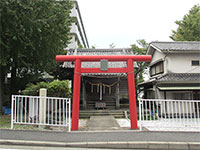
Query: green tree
pixel 32 32
pixel 139 68
pixel 188 28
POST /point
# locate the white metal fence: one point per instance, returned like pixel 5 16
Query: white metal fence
pixel 36 110
pixel 160 113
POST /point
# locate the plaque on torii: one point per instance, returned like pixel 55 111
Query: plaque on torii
pixel 129 59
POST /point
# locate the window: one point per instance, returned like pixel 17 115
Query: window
pixel 182 95
pixel 195 63
pixel 157 68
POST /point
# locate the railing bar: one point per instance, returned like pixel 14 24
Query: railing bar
pixel 29 110
pixel 37 111
pixel 175 105
pixel 33 110
pixel 63 101
pixel 193 110
pixel 140 113
pixel 44 99
pixel 186 109
pixel 188 115
pixel 12 113
pixel 165 107
pixel 157 111
pixel 17 109
pixel 180 113
pixel 59 102
pixel 69 101
pixel 154 112
pixel 198 112
pixel 146 118
pixel 22 110
pixel 168 110
pixel 169 116
pixel 66 113
pixel 25 109
pixel 150 110
pixel 52 101
pixel 165 112
pixel 172 111
pixel 189 111
pixel 142 110
pixel 183 114
pixel 48 110
pixel 161 109
pixel 191 115
pixel 56 111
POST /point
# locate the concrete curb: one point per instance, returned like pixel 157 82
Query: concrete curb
pixel 115 145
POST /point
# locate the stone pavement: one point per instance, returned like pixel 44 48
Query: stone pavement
pixel 98 123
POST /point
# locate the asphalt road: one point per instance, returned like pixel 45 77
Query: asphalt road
pixel 102 136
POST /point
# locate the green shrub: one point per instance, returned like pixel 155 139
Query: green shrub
pixel 33 89
pixel 59 88
pixel 55 88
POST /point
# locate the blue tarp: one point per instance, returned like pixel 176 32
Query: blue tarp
pixel 6 110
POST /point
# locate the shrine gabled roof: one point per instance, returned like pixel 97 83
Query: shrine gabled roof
pixel 90 52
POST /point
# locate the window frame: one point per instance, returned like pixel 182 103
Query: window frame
pixel 195 62
pixel 157 68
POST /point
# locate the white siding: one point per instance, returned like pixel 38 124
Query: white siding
pixel 156 56
pixel 181 63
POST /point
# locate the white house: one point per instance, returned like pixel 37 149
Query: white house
pixel 174 71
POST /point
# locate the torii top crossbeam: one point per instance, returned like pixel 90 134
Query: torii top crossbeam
pixel 62 58
pixel 77 74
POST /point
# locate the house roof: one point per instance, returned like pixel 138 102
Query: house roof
pixel 177 46
pixel 125 51
pixel 180 77
pixel 174 78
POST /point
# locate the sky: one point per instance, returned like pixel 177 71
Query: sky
pixel 123 22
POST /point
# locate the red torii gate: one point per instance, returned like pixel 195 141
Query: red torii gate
pixel 77 78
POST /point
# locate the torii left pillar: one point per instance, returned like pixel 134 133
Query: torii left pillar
pixel 77 78
pixel 76 94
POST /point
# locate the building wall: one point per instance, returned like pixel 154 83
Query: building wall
pixel 159 56
pixel 77 29
pixel 181 63
pixel 177 62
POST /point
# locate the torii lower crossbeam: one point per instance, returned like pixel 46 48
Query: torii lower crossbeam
pixel 129 59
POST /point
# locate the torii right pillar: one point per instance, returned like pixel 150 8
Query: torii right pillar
pixel 131 93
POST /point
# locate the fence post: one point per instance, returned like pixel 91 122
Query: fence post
pixel 12 107
pixel 42 106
